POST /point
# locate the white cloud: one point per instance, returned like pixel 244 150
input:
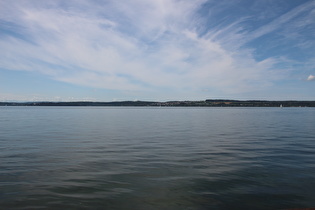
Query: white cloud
pixel 138 45
pixel 311 78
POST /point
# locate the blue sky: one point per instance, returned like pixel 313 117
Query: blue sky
pixel 109 50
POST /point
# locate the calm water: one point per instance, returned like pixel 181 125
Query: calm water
pixel 157 158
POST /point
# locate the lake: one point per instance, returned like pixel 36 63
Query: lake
pixel 156 158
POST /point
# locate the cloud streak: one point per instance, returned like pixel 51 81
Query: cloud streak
pixel 139 45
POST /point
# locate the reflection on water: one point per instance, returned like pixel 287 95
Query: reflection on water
pixel 157 158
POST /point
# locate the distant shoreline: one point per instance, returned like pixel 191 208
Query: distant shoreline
pixel 205 103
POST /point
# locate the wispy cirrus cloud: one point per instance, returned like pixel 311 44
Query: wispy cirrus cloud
pixel 139 45
pixel 282 21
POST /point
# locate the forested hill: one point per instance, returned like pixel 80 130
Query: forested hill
pixel 205 103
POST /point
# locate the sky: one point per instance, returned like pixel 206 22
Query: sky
pixel 157 50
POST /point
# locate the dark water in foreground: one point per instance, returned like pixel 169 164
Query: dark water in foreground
pixel 157 158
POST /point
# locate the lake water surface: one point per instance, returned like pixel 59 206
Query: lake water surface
pixel 156 158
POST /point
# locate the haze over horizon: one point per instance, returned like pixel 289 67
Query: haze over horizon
pixel 157 50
